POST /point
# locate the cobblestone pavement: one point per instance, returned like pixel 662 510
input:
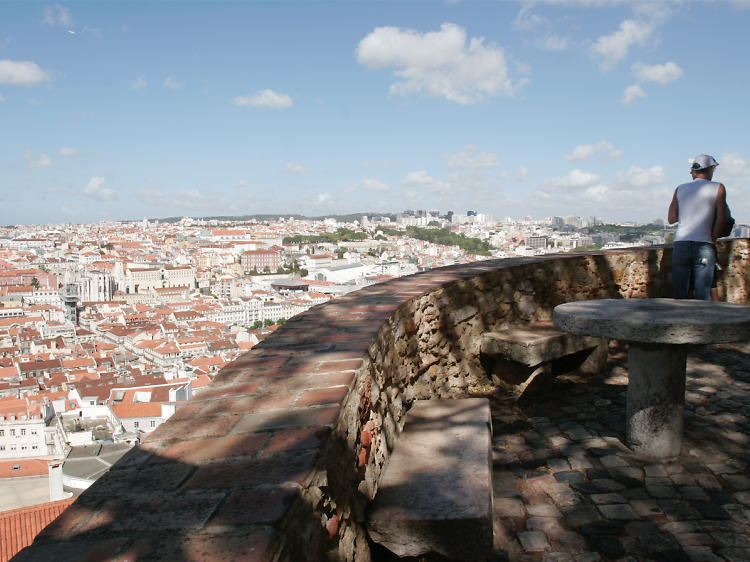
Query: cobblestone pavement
pixel 567 489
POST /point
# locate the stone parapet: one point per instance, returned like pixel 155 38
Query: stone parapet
pixel 278 459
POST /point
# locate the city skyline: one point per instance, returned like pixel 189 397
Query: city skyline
pixel 115 111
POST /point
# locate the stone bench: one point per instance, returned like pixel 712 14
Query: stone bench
pixel 527 358
pixel 436 492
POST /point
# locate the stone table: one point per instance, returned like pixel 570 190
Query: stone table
pixel 658 332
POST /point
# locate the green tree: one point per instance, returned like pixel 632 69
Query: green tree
pixel 433 223
pixel 266 269
pixel 109 246
pixel 303 272
pixel 257 325
pixel 35 282
pixel 280 321
pixel 281 270
pixel 268 322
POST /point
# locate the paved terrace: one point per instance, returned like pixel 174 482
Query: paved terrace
pixel 279 458
pixel 566 488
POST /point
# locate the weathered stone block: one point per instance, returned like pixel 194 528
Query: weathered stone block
pixel 436 492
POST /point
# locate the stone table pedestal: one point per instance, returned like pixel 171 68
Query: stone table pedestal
pixel 657 332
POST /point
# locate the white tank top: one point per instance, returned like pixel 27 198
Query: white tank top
pixel 696 202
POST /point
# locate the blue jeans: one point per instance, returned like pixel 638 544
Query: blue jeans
pixel 696 260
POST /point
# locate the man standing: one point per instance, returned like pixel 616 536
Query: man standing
pixel 694 205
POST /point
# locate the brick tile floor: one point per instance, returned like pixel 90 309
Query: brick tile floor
pixel 587 498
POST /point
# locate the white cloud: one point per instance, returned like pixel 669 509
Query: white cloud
pixel 264 98
pixel 2 99
pixel 42 163
pixel 324 198
pixel 25 73
pixel 56 15
pixel 6 41
pixel 139 84
pixel 169 83
pixel 375 185
pixel 552 43
pixel 659 73
pixel 242 183
pixel 637 178
pixel 615 154
pixel 368 185
pixel 423 180
pixel 526 20
pixel 294 170
pixel 65 151
pixel 32 101
pixel 439 63
pixel 470 160
pixel 97 192
pixel 583 152
pixel 366 164
pixel 94 31
pixel 418 179
pixel 613 48
pixel 522 174
pixel 632 92
pixel 731 164
pixel 392 163
pixel 574 180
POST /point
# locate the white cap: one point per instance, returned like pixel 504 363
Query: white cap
pixel 702 162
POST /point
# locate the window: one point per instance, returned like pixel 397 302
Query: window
pixel 23 431
pixel 153 423
pixel 33 431
pixel 13 447
pixel 2 447
pixel 2 433
pixel 35 446
pixel 135 425
pixel 23 447
pixel 12 432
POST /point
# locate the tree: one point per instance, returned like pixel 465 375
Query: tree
pixel 109 246
pixel 266 269
pixel 280 321
pixel 303 272
pixel 268 322
pixel 35 282
pixel 257 325
pixel 281 270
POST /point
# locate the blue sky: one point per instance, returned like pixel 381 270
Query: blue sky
pixel 120 110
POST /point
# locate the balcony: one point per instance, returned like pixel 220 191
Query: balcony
pixel 280 456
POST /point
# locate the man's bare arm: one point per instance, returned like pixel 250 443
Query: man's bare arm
pixel 721 212
pixel 674 215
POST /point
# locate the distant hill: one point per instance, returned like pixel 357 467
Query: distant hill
pixel 267 217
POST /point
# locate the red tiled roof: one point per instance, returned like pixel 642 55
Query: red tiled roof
pixel 26 467
pixel 137 410
pixel 18 527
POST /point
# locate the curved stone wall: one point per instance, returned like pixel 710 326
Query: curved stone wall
pixel 278 459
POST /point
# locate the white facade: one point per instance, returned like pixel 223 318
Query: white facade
pixel 22 437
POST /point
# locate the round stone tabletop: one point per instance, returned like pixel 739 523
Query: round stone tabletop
pixel 665 321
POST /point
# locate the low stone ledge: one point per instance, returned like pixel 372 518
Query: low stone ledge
pixel 315 468
pixel 436 494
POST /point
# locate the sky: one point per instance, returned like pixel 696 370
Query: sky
pixel 123 110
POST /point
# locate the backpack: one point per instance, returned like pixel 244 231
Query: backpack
pixel 728 224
